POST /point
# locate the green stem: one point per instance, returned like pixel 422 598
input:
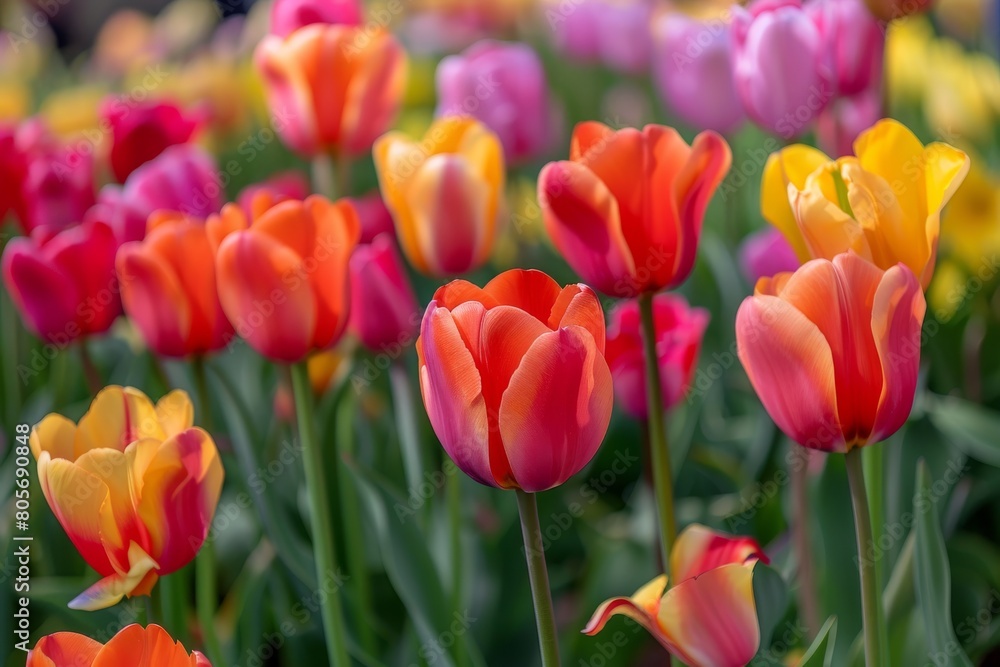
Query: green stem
pixel 323 176
pixel 453 490
pixel 406 426
pixel 324 548
pixel 802 542
pixel 873 460
pixel 90 372
pixel 173 605
pixel 876 653
pixel 538 575
pixel 145 614
pixel 342 174
pixel 663 479
pixel 201 388
pixel 206 600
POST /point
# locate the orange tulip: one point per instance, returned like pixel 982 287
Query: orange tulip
pixel 135 488
pixel 283 277
pixel 708 617
pixel 332 87
pixel 514 379
pixel 833 350
pixel 168 287
pixel 626 209
pixel 134 645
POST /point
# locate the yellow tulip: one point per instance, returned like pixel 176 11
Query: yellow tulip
pixel 884 202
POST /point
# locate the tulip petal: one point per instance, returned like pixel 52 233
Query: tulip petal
pixel 826 229
pixel 117 417
pixel 46 295
pixel 565 378
pixel 290 98
pixel 264 296
pixel 582 218
pixel 699 549
pixel 63 649
pixel 138 580
pixel 577 304
pixel 452 390
pixel 374 92
pixel 457 292
pixel 892 151
pixel 175 412
pixel 642 607
pixel 396 160
pixel 529 290
pixel 144 647
pixel 154 299
pixel 897 317
pixel 945 168
pixel 56 435
pixel 790 365
pixel 790 166
pixel 711 620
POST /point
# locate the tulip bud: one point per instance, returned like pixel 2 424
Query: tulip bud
pixel 141 131
pixel 853 43
pixel 387 314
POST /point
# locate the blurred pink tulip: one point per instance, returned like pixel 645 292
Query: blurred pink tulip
pixel 140 131
pixel 779 71
pixel 624 36
pixel 844 120
pixel 287 16
pixel 64 284
pixel 679 330
pixel 853 42
pixel 373 215
pixel 766 253
pixel 575 29
pixel 384 310
pixel 503 85
pixel 693 71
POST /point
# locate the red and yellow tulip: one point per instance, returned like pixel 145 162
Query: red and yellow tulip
pixel 134 486
pixel 833 350
pixel 884 203
pixel 708 617
pixel 134 645
pixel 514 379
pixel 626 209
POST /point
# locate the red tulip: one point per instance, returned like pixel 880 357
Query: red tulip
pixel 386 312
pixel 134 646
pixel 626 209
pixel 679 329
pixel 514 379
pixel 142 130
pixel 64 284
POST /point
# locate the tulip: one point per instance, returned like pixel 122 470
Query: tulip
pixel 168 287
pixel 287 16
pixel 286 185
pixel 626 209
pixel 679 330
pixel 445 193
pixel 13 165
pixel 388 314
pixel 332 87
pixel 575 29
pixel 133 485
pixel 504 86
pixel 766 253
pixel 853 42
pixel 374 217
pixel 623 34
pixel 833 350
pixel 64 284
pixel 885 204
pixel 778 66
pixel 693 72
pixel 708 617
pixel 887 10
pixel 841 123
pixel 283 276
pixel 538 416
pixel 133 645
pixel 141 131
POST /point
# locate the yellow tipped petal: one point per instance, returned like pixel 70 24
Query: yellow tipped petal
pixel 788 167
pixel 55 434
pixel 118 416
pixel 175 412
pixel 108 591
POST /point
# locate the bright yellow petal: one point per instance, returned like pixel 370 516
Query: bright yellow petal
pixel 175 412
pixel 945 168
pixel 892 151
pixel 118 416
pixel 790 166
pixel 826 229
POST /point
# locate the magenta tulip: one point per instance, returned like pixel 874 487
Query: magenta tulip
pixel 853 43
pixel 141 131
pixel 287 16
pixel 766 253
pixel 385 315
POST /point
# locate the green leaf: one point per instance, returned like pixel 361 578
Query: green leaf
pixel 770 594
pixel 933 578
pixel 970 427
pixel 820 654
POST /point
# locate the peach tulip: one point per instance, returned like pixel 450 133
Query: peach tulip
pixel 134 645
pixel 283 276
pixel 626 209
pixel 514 379
pixel 445 193
pixel 332 87
pixel 833 350
pixel 708 617
pixel 134 486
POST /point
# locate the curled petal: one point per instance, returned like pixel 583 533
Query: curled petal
pixel 699 549
pixel 642 607
pixel 138 580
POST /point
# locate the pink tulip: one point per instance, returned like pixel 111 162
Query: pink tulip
pixel 853 42
pixel 503 85
pixel 693 71
pixel 141 131
pixel 778 66
pixel 373 215
pixel 766 253
pixel 384 313
pixel 679 330
pixel 64 284
pixel 576 29
pixel 844 120
pixel 287 16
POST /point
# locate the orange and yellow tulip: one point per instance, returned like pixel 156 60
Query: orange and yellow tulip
pixel 332 87
pixel 514 379
pixel 833 350
pixel 445 193
pixel 168 287
pixel 283 276
pixel 134 645
pixel 626 209
pixel 134 486
pixel 708 618
pixel 884 202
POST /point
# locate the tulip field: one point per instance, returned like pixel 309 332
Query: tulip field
pixel 500 333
